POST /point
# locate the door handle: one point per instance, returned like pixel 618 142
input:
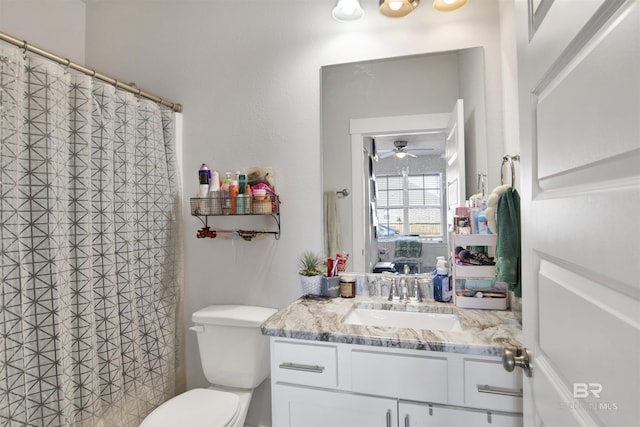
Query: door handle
pixel 388 417
pixel 300 367
pixel 517 357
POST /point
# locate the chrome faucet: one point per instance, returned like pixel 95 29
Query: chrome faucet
pixel 416 294
pixel 393 291
pixel 404 289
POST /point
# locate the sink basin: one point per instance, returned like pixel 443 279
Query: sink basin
pixel 403 319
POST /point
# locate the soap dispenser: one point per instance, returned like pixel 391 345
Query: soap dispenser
pixel 441 292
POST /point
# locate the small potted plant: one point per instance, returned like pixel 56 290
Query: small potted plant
pixel 311 268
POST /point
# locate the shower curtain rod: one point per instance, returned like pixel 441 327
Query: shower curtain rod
pixel 93 73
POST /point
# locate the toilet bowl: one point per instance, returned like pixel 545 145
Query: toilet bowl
pixel 235 359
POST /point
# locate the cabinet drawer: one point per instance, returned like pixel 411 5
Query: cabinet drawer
pixel 308 364
pixel 423 414
pixel 488 385
pixel 474 271
pixel 399 375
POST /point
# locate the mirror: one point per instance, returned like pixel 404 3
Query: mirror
pixel 376 100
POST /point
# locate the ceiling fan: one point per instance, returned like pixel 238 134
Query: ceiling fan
pixel 400 150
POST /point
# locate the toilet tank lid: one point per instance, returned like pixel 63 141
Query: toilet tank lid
pixel 233 315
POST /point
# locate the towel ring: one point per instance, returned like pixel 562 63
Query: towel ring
pixel 509 159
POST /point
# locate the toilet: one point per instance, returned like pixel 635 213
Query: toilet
pixel 235 359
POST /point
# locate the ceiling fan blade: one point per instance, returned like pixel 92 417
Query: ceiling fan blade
pixel 411 155
pixel 387 154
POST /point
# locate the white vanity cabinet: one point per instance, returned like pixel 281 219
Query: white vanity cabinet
pixel 316 383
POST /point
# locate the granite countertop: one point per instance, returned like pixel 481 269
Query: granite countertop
pixel 483 332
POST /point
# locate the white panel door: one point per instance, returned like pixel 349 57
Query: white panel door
pixel 454 155
pixel 579 91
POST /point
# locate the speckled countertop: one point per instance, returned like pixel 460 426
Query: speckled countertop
pixel 483 332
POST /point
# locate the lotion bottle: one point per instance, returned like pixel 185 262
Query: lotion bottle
pixel 226 201
pixel 441 292
pixel 233 195
pixel 214 194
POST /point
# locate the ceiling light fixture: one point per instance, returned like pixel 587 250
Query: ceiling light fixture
pixel 347 10
pixel 397 8
pixel 449 5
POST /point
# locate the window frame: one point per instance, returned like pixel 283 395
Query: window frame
pixel 405 206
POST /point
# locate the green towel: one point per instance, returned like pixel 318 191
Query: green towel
pixel 508 244
pixel 407 248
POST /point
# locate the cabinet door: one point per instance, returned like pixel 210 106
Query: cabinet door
pixel 304 407
pixel 424 415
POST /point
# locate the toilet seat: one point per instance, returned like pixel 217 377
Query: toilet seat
pixel 199 407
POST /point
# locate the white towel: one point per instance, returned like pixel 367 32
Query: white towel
pixel 332 244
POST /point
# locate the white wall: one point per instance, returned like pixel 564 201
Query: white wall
pixel 55 25
pixel 248 74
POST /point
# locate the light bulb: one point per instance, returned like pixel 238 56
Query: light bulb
pixel 449 5
pixel 397 8
pixel 347 10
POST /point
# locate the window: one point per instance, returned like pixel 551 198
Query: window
pixel 410 205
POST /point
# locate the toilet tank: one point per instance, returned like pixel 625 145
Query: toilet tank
pixel 233 351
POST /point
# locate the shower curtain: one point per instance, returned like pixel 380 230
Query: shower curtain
pixel 90 268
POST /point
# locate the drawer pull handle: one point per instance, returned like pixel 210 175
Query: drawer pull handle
pixel 406 420
pixel 499 390
pixel 388 417
pixel 300 367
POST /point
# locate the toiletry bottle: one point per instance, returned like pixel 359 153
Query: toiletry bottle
pixel 204 176
pixel 233 195
pixel 214 194
pixel 441 291
pixel 242 184
pixel 226 201
pixel 483 225
pixel 440 262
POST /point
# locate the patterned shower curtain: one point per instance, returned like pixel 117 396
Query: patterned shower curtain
pixel 90 268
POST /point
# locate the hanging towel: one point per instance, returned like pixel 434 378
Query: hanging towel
pixel 407 248
pixel 332 245
pixel 508 268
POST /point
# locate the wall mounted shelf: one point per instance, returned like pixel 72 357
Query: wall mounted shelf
pixel 238 207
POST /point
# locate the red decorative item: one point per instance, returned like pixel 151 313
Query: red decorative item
pixel 206 232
